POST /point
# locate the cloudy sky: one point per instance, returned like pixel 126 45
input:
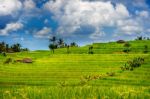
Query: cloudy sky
pixel 32 22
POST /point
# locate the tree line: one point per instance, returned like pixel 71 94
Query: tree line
pixel 56 43
pixel 6 48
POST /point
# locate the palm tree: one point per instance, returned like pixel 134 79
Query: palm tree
pixel 53 45
pixel 16 47
pixel 2 47
pixel 73 44
pixel 68 49
pixel 91 50
pixel 61 43
pixel 53 39
pixel 7 47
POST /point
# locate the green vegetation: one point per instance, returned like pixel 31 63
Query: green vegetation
pixel 78 75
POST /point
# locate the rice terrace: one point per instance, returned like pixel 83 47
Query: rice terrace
pixel 74 49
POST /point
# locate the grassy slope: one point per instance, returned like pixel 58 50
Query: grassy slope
pixel 52 69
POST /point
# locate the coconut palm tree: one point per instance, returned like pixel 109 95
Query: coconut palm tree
pixel 61 43
pixel 73 44
pixel 53 45
pixel 53 39
pixel 16 47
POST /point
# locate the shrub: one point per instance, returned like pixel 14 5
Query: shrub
pixel 131 64
pixel 4 54
pixel 121 41
pixel 8 60
pixel 110 73
pixel 145 49
pixel 127 47
pixel 62 84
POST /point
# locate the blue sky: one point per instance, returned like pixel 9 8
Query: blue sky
pixel 32 22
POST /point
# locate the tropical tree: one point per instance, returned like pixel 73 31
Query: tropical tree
pixel 53 39
pixel 91 50
pixel 52 47
pixel 2 47
pixel 7 47
pixel 73 44
pixel 68 49
pixel 16 47
pixel 61 43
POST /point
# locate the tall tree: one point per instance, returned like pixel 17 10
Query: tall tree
pixel 91 50
pixel 53 45
pixel 2 47
pixel 61 43
pixel 16 47
pixel 73 44
pixel 53 39
pixel 7 47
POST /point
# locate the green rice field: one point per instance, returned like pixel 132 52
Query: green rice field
pixel 62 76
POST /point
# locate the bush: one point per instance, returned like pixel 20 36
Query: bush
pixel 145 49
pixel 8 60
pixel 130 65
pixel 110 73
pixel 121 41
pixel 127 47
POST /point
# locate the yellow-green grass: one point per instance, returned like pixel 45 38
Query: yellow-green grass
pixel 107 48
pixel 58 76
pixel 52 69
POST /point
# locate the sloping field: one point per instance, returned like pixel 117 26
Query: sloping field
pixel 53 69
pixel 60 75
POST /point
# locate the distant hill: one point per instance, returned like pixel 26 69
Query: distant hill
pixel 137 46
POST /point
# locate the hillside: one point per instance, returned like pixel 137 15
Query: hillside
pixel 62 75
pixel 107 48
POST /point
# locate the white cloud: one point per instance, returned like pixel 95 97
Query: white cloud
pixel 72 14
pixel 44 33
pixel 29 5
pixel 97 35
pixel 10 28
pixel 128 27
pixel 143 14
pixel 9 7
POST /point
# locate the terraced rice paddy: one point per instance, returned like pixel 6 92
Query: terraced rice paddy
pixel 59 76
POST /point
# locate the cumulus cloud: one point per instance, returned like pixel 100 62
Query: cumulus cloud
pixel 10 28
pixel 143 14
pixel 129 27
pixel 72 14
pixel 29 5
pixel 9 7
pixel 97 34
pixel 43 33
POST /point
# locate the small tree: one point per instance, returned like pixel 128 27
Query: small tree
pixel 73 44
pixel 91 50
pixel 145 49
pixel 68 49
pixel 16 47
pixel 127 47
pixel 61 43
pixel 2 47
pixel 139 38
pixel 52 47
